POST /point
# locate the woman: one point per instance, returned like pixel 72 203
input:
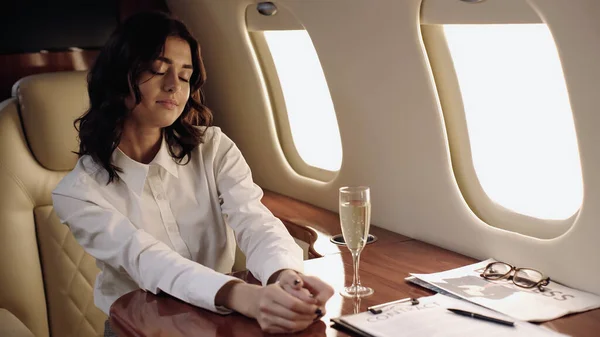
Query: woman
pixel 159 197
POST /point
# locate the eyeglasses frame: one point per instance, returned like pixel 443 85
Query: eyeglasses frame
pixel 510 275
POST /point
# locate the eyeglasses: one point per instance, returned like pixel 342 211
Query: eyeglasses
pixel 522 277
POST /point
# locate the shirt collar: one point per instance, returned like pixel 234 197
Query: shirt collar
pixel 135 173
pixel 163 158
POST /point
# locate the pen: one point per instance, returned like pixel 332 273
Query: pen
pixel 376 309
pixel 482 317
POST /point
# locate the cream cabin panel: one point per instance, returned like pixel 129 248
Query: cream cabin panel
pixel 391 125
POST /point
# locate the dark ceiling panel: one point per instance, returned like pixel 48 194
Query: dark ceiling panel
pixel 31 26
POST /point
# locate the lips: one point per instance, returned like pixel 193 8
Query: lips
pixel 168 103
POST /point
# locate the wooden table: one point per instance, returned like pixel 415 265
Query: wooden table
pixel 384 265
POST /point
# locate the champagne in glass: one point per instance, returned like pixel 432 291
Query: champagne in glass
pixel 355 219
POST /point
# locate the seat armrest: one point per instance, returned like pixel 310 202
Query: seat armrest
pixel 11 326
pixel 305 237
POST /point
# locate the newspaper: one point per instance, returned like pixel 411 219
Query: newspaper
pixel 503 296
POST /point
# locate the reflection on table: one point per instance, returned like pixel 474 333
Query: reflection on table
pixel 383 267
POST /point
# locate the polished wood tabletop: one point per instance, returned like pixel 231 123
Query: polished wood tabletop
pixel 383 266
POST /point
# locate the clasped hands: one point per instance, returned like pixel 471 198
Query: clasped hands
pixel 293 302
pixel 290 304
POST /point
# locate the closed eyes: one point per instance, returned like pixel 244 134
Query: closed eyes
pixel 154 72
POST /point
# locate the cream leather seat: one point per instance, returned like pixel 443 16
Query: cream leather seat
pixel 46 279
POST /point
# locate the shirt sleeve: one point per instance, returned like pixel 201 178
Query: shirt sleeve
pixel 110 237
pixel 261 236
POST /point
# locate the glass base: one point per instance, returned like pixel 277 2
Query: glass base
pixel 357 291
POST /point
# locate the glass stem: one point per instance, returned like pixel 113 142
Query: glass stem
pixel 355 262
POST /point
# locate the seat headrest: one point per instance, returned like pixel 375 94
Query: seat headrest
pixel 48 104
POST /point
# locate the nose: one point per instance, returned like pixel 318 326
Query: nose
pixel 171 83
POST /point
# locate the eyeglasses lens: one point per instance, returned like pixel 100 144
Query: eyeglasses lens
pixel 496 270
pixel 527 278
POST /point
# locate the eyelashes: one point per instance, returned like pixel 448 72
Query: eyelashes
pixel 183 79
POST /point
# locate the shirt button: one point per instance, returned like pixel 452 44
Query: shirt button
pixel 160 197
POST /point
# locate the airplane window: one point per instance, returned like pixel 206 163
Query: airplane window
pixel 518 117
pixel 310 111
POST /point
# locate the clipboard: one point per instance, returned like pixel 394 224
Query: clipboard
pixel 340 325
pixel 432 317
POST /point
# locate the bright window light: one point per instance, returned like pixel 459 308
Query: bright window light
pixel 310 110
pixel 519 118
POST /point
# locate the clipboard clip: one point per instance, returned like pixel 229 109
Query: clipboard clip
pixel 376 309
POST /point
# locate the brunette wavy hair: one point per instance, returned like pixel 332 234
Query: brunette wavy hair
pixel 129 52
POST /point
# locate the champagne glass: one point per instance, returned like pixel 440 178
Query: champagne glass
pixel 356 304
pixel 355 219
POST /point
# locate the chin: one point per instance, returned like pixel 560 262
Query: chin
pixel 168 121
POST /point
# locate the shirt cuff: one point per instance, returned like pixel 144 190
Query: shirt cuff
pixel 280 262
pixel 203 290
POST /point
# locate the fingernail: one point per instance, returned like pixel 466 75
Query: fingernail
pixel 296 282
pixel 318 312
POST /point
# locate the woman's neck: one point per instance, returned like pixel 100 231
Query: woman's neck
pixel 140 144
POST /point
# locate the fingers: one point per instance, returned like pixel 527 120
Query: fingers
pixel 291 282
pixel 291 278
pixel 286 299
pixel 322 291
pixel 302 294
pixel 281 312
pixel 315 291
pixel 307 297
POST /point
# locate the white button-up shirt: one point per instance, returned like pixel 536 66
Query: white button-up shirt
pixel 173 228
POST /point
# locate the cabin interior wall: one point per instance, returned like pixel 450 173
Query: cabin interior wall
pixel 391 124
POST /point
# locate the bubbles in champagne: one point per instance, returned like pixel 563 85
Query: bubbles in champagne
pixel 355 217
